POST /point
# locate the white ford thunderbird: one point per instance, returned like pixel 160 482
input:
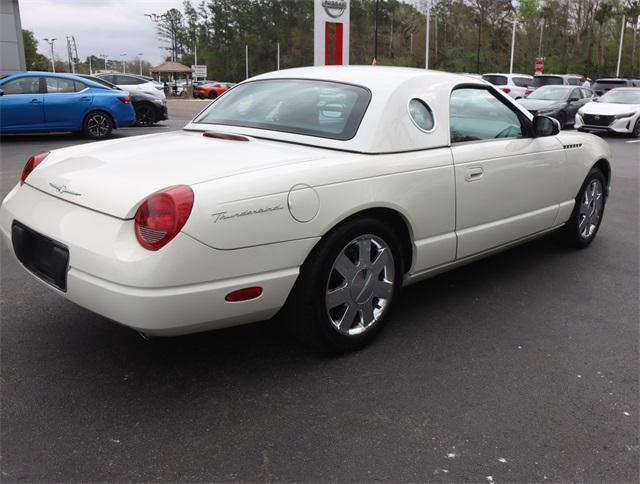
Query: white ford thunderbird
pixel 314 192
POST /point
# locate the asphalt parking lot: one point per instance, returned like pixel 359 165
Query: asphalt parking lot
pixel 520 367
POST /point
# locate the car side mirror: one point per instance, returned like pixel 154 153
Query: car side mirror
pixel 573 99
pixel 545 126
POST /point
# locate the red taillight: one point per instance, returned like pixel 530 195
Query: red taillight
pixel 126 99
pixel 31 165
pixel 506 89
pixel 244 294
pixel 162 215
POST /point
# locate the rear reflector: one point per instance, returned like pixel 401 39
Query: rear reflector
pixel 506 89
pixel 244 294
pixel 228 136
pixel 126 99
pixel 31 165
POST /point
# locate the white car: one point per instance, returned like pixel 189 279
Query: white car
pixel 618 111
pixel 132 83
pixel 315 192
pixel 515 85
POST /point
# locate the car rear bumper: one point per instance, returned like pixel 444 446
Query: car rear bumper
pixel 177 290
pixel 161 113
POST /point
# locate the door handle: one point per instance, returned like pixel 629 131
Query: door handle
pixel 473 174
pixel 36 101
pixel 85 98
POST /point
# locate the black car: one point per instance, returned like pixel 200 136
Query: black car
pixel 149 109
pixel 560 102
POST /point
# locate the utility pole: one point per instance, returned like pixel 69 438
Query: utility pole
pixel 426 50
pixel 620 48
pixel 50 42
pixel 375 35
pixel 478 48
pixel 246 61
pixel 69 55
pixel 90 71
pixel 540 43
pixel 513 44
pixel 140 61
pixel 278 56
pixel 124 68
pixel 104 56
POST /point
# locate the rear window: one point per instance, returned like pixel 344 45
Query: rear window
pixel 521 81
pixel 315 108
pixel 496 80
pixel 611 84
pixel 546 80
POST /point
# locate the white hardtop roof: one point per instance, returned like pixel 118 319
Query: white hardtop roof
pixel 386 126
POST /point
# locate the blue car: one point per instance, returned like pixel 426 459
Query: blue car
pixel 38 102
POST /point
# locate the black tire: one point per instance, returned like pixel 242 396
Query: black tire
pixel 145 114
pixel 306 313
pixel 636 129
pixel 213 95
pixel 97 125
pixel 580 229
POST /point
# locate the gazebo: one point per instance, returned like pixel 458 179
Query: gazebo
pixel 172 69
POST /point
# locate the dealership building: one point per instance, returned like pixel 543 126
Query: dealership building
pixel 11 47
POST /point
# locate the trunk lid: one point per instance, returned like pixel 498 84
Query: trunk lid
pixel 113 177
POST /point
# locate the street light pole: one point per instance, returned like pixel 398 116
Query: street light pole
pixel 513 44
pixel 278 56
pixel 140 61
pixel 246 61
pixel 124 68
pixel 104 56
pixel 620 48
pixel 375 35
pixel 50 42
pixel 426 50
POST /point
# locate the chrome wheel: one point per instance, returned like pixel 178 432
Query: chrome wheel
pixel 360 285
pixel 590 211
pixel 99 125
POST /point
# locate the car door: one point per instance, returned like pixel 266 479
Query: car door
pixel 508 183
pixel 576 101
pixel 66 101
pixel 21 105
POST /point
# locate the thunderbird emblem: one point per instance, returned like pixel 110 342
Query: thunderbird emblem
pixel 63 189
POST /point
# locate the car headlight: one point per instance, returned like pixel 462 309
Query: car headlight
pixel 624 115
pixel 580 112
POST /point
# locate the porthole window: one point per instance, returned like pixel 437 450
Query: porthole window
pixel 421 115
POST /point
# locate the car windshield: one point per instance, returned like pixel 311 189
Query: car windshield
pixel 621 97
pixel 546 80
pixel 549 93
pixel 309 107
pixel 495 79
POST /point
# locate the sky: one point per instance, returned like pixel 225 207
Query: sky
pixel 111 27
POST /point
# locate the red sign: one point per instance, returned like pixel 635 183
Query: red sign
pixel 539 64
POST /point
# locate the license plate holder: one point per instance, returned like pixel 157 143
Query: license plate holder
pixel 44 257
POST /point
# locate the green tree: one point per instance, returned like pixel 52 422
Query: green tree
pixel 34 60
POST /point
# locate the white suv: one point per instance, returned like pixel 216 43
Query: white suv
pixel 515 85
pixel 131 83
